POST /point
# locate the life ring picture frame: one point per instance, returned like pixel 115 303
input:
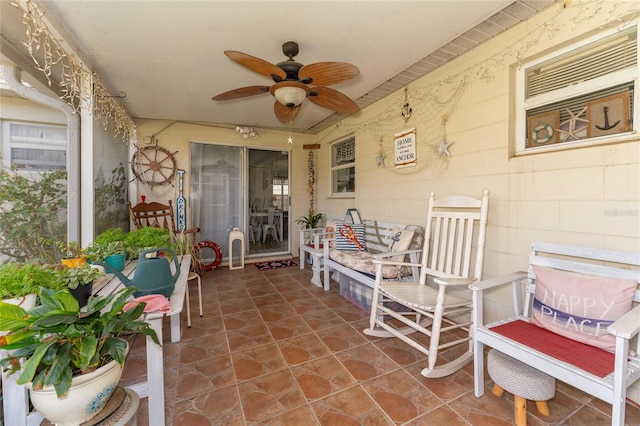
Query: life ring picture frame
pixel 541 129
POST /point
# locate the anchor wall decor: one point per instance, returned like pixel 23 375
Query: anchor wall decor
pixel 608 116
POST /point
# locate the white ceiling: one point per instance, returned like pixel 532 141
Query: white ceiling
pixel 167 56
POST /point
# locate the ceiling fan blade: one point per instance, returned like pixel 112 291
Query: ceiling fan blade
pixel 333 100
pixel 257 65
pixel 284 113
pixel 327 73
pixel 241 93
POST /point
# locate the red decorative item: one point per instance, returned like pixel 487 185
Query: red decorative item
pixel 143 197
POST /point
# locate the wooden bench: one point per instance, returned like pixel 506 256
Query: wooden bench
pixel 596 371
pixel 376 236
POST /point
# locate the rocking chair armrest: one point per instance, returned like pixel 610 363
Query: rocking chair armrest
pixel 498 281
pixel 628 325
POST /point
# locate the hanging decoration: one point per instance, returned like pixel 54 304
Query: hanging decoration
pixel 290 138
pixel 154 165
pixel 405 144
pixel 406 109
pixel 443 148
pixel 181 205
pixel 80 87
pixel 311 182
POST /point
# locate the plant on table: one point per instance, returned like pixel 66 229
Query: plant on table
pixel 72 278
pixel 145 238
pixel 312 220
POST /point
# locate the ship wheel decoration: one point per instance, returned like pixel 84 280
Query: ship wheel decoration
pixel 154 165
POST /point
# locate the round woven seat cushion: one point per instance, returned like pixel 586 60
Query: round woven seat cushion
pixel 518 378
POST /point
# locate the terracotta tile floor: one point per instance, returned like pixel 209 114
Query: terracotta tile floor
pixel 273 349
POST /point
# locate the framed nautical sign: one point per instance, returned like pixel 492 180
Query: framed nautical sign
pixel 608 116
pixel 405 153
pixel 541 129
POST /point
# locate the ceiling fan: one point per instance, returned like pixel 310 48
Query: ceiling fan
pixel 293 82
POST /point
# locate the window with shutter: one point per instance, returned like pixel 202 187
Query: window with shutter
pixel 582 94
pixel 343 168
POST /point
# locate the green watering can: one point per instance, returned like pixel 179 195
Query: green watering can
pixel 152 275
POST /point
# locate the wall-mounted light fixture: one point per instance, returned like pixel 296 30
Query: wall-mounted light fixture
pixel 246 132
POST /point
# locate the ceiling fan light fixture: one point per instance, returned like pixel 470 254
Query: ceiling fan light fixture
pixel 290 96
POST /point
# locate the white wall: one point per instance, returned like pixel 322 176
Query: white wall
pixel 177 137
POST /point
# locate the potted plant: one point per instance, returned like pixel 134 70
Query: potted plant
pixel 311 221
pixel 73 254
pixel 113 253
pixel 79 281
pixel 67 352
pixel 21 282
pixel 109 247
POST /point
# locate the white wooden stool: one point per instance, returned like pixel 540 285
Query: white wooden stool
pixel 523 381
pixel 236 235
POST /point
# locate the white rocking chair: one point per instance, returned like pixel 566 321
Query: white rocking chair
pixel 452 257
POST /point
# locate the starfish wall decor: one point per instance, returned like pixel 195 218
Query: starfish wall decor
pixel 443 148
pixel 572 129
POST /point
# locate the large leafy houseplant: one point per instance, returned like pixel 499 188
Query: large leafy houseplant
pixel 59 341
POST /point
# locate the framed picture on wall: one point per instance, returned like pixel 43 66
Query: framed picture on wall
pixel 608 116
pixel 541 129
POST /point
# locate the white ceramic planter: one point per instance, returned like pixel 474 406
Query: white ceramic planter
pixel 86 398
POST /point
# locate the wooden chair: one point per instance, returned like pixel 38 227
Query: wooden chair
pixel 452 258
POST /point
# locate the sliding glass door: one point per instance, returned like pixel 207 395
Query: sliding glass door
pixel 245 188
pixel 268 195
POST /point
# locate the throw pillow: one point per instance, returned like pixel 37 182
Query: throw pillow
pixel 399 240
pixel 580 307
pixel 350 237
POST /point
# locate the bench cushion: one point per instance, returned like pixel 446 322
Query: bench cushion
pixel 350 237
pixel 362 261
pixel 580 307
pixel 586 357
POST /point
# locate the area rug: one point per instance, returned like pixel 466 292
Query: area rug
pixel 275 264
